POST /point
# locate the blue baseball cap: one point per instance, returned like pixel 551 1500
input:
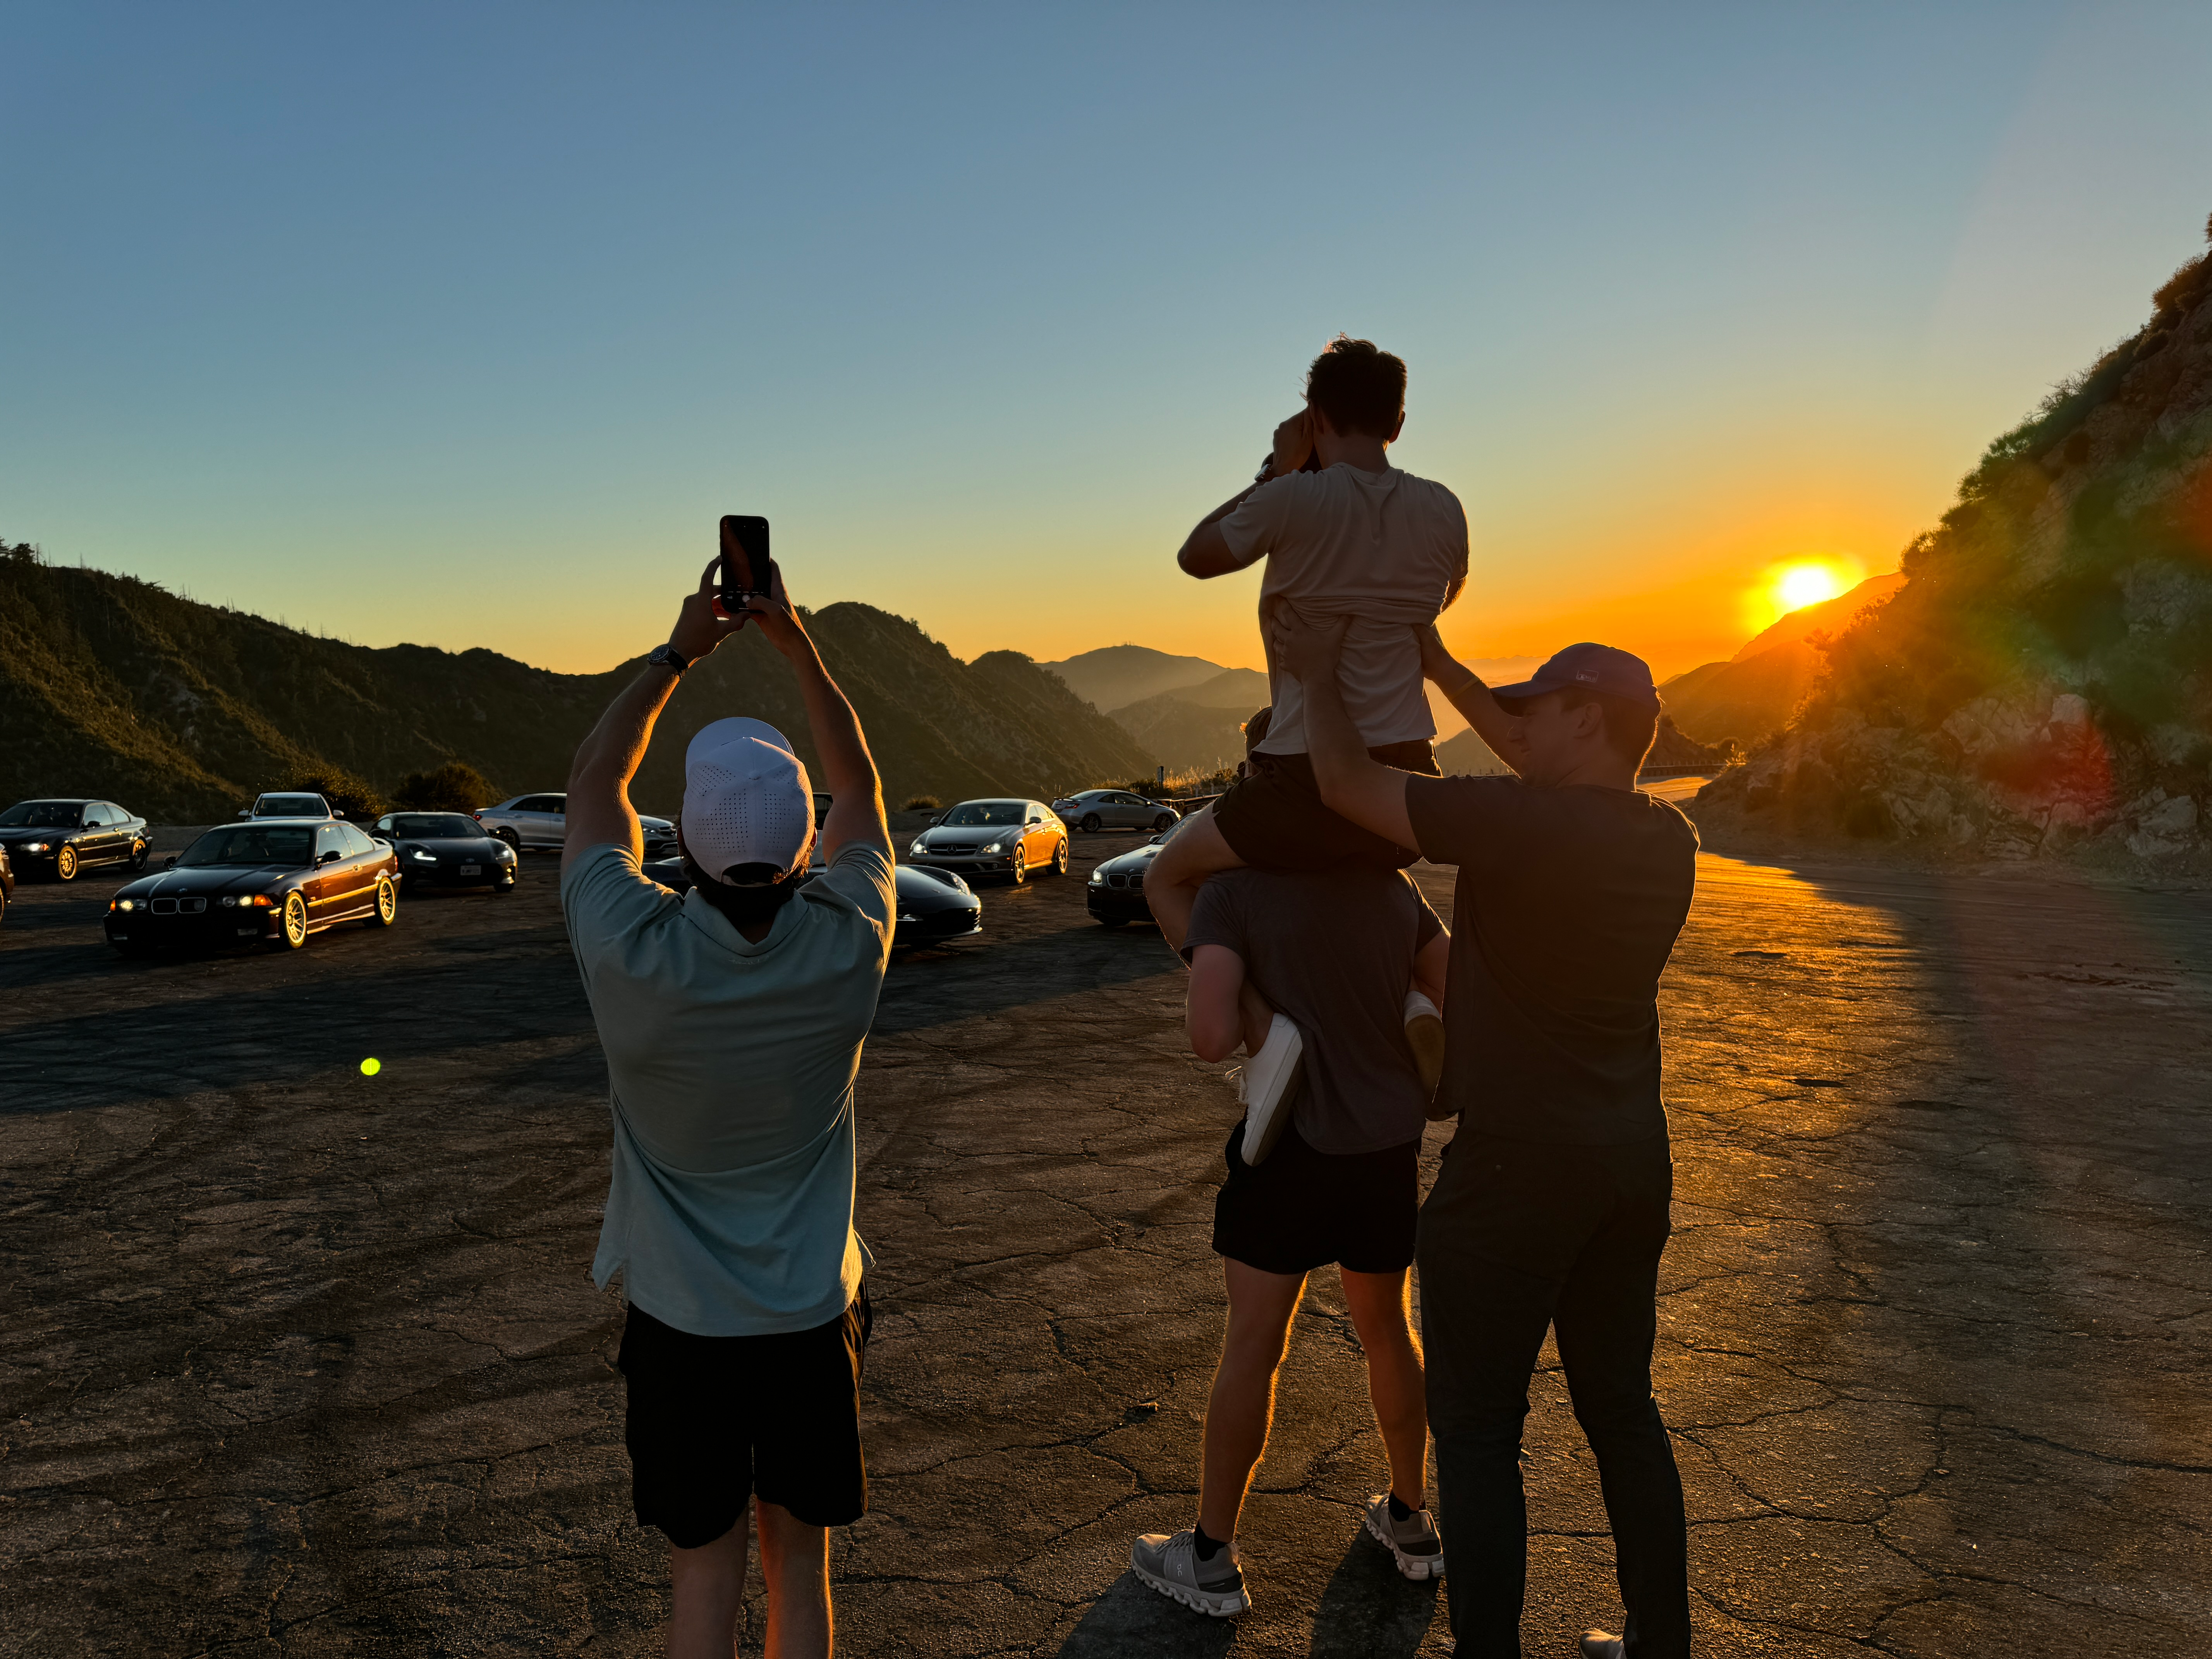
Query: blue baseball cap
pixel 1590 667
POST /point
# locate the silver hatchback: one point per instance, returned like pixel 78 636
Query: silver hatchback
pixel 542 821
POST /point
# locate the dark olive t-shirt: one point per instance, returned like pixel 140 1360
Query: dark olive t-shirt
pixel 1333 949
pixel 1569 903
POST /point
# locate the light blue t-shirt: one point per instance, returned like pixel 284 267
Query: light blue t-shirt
pixel 730 1067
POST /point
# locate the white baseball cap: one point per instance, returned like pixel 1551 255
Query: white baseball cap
pixel 746 799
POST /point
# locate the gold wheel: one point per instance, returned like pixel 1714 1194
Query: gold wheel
pixel 295 920
pixel 65 864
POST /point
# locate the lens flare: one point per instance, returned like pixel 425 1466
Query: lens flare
pixel 371 1068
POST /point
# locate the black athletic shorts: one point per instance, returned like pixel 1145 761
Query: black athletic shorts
pixel 713 1419
pixel 1273 819
pixel 1301 1209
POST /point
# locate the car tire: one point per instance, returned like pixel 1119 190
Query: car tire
pixel 387 904
pixel 1059 858
pixel 294 921
pixel 509 837
pixel 1017 867
pixel 1165 821
pixel 139 854
pixel 1089 825
pixel 66 864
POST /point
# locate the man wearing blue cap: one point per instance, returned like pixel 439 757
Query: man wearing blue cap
pixel 1551 1209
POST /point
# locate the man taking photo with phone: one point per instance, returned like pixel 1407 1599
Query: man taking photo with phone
pixel 732 1019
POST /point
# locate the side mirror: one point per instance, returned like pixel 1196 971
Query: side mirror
pixel 170 862
pixel 331 857
pixel 246 812
pixel 934 822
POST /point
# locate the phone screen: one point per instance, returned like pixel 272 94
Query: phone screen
pixel 746 567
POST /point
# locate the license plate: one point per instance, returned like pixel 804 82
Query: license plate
pixel 472 869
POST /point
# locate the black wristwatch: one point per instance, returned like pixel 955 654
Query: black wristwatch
pixel 667 656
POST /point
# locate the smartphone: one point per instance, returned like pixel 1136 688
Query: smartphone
pixel 746 568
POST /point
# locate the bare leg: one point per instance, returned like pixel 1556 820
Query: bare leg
pixel 1380 1314
pixel 795 1562
pixel 1172 885
pixel 1243 1402
pixel 706 1592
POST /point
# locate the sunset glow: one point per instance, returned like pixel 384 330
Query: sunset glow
pixel 1794 584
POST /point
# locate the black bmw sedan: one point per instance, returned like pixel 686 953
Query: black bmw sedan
pixel 1115 893
pixel 58 838
pixel 934 906
pixel 448 849
pixel 273 879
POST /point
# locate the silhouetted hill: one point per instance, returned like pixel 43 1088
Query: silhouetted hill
pixel 1200 727
pixel 2042 682
pixel 1751 695
pixel 1468 756
pixel 112 686
pixel 1115 676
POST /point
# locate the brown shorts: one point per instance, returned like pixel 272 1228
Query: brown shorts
pixel 1273 819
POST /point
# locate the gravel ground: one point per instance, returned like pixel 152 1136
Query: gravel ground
pixel 304 1362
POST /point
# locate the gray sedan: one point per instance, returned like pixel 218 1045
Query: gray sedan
pixel 1113 809
pixel 524 821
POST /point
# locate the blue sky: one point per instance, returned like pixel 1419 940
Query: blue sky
pixel 461 324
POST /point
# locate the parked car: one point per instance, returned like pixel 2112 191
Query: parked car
pixel 1008 837
pixel 288 804
pixel 448 849
pixel 1115 893
pixel 934 906
pixel 1094 810
pixel 60 837
pixel 542 821
pixel 275 880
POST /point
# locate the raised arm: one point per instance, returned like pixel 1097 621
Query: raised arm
pixel 598 810
pixel 1205 551
pixel 1466 692
pixel 856 812
pixel 1352 782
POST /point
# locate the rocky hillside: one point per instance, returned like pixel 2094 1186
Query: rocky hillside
pixel 2042 683
pixel 111 686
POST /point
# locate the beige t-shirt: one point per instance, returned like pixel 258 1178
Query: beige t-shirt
pixel 1381 548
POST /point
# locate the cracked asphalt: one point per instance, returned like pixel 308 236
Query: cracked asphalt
pixel 302 1362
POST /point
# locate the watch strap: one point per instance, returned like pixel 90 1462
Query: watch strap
pixel 667 656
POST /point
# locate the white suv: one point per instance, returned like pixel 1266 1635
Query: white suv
pixel 287 803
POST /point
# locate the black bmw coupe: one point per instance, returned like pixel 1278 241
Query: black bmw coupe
pixel 934 906
pixel 448 849
pixel 273 879
pixel 60 837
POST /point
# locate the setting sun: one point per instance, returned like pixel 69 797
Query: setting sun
pixel 1793 584
pixel 1801 584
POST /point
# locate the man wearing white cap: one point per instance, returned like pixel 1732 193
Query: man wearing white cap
pixel 732 1019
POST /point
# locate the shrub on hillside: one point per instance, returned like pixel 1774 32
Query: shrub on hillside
pixel 349 796
pixel 922 804
pixel 456 787
pixel 1148 788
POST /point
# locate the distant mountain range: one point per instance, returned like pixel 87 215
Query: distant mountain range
pixel 114 687
pixel 1752 695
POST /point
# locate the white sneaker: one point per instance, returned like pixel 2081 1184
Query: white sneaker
pixel 1425 1029
pixel 1267 1084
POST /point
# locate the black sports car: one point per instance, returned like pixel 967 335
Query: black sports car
pixel 273 879
pixel 60 837
pixel 448 849
pixel 933 905
pixel 1115 894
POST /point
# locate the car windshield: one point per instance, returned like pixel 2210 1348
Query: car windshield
pixel 972 812
pixel 288 806
pixel 433 824
pixel 41 815
pixel 253 844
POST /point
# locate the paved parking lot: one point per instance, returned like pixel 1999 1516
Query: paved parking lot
pixel 303 1362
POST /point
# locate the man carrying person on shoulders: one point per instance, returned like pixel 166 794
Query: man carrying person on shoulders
pixel 732 1019
pixel 1550 1210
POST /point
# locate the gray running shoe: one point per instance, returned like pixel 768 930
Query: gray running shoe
pixel 1414 1540
pixel 1171 1566
pixel 1424 1031
pixel 1599 1645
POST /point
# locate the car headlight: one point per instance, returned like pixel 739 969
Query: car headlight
pixel 35 846
pixel 505 853
pixel 230 900
pixel 995 846
pixel 904 917
pixel 421 857
pixel 917 849
pixel 125 904
pixel 1099 877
